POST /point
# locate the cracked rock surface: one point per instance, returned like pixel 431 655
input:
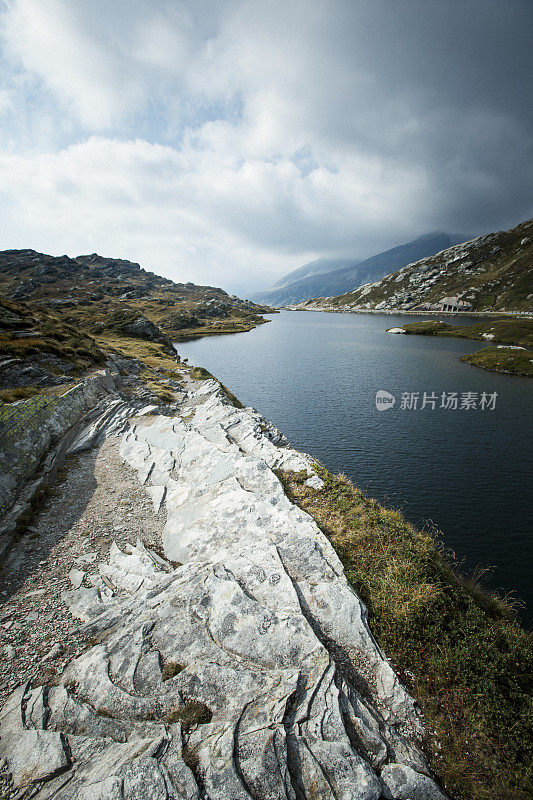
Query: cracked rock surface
pixel 239 665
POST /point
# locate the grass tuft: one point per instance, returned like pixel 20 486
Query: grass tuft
pixel 192 713
pixel 201 374
pixel 171 669
pixel 510 362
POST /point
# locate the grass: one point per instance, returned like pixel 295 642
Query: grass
pixel 158 387
pixel 151 353
pixel 231 397
pixel 459 650
pixel 100 318
pixel 177 321
pixel 56 347
pixel 201 374
pixel 66 344
pixel 173 374
pixel 513 330
pixel 233 325
pixel 510 362
pixel 18 393
pixel 171 669
pixel 24 392
pixel 192 713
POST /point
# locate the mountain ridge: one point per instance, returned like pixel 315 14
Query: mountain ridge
pixel 492 272
pixel 338 281
pixel 319 266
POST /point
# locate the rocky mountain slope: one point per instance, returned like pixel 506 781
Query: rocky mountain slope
pixel 98 292
pixel 490 273
pixel 352 273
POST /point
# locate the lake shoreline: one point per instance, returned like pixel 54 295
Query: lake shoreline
pixel 323 398
pixel 509 342
pixel 242 506
pixel 396 312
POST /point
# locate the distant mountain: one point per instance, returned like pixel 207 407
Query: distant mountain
pixel 490 273
pixel 353 273
pixel 317 267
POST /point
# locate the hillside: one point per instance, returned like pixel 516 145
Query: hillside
pixel 97 292
pixel 489 273
pixel 320 266
pixel 353 273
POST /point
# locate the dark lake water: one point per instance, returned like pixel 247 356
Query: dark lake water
pixel 467 471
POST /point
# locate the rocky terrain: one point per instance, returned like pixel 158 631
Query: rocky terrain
pixel 490 273
pixel 180 612
pixel 217 652
pixel 107 294
pixel 333 276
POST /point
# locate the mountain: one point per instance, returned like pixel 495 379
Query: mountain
pixel 100 293
pixel 355 273
pixel 489 273
pixel 317 267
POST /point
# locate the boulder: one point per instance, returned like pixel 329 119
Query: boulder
pixel 135 325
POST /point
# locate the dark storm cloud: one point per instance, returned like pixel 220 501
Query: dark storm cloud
pixel 215 139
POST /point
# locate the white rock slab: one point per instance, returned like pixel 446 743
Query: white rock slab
pixel 247 672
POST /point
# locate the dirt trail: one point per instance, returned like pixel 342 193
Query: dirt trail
pixel 96 500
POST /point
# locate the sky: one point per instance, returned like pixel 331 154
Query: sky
pixel 229 142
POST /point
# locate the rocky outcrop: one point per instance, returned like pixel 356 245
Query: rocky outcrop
pixel 240 665
pixel 214 309
pixel 30 428
pixel 72 283
pixel 38 433
pixel 136 326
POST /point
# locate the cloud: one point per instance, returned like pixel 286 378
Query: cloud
pixel 105 62
pixel 227 142
pixel 191 212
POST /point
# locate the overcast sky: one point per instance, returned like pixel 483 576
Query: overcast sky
pixel 229 142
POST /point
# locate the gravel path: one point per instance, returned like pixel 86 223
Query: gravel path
pixel 97 500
